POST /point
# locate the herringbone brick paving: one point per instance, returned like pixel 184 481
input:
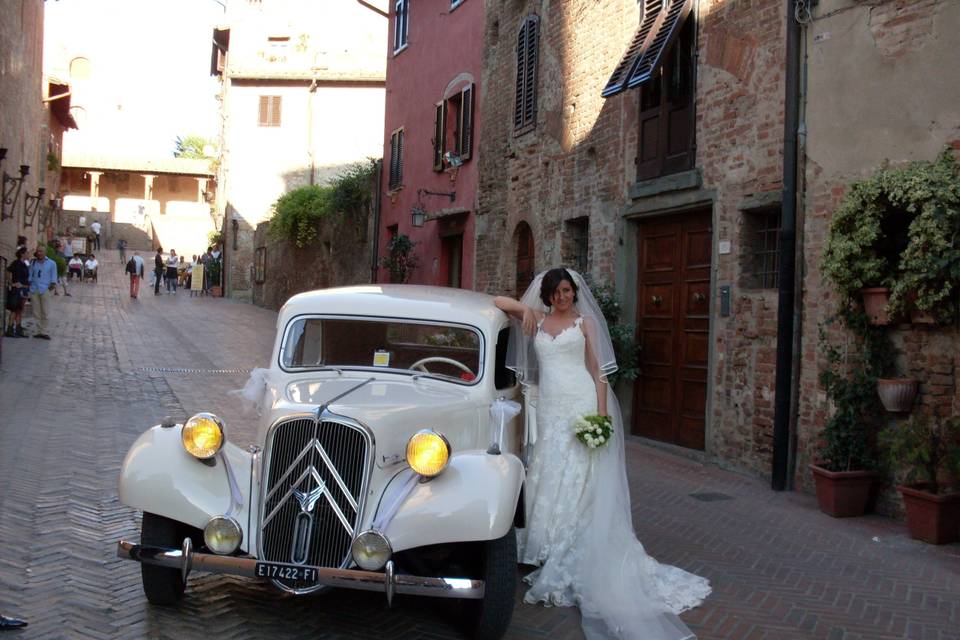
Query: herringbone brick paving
pixel 71 407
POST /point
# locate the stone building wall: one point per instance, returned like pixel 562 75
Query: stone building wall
pixel 856 125
pixel 340 256
pixel 22 114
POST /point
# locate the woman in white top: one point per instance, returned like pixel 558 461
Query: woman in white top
pixel 172 263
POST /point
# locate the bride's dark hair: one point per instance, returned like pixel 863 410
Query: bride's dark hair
pixel 551 280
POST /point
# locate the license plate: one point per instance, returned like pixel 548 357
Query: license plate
pixel 285 572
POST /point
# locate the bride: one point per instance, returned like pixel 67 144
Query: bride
pixel 579 529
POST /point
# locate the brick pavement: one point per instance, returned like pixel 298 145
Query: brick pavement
pixel 72 406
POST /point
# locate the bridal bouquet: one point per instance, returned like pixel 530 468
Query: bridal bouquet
pixel 593 430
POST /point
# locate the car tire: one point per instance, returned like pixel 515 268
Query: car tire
pixel 489 617
pixel 161 585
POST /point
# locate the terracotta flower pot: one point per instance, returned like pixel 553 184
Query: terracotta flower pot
pixel 875 304
pixel 843 494
pixel 933 518
pixel 897 394
pixel 216 291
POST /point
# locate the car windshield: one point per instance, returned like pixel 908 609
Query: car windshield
pixel 445 351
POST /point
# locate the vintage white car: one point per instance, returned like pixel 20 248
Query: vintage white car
pixel 389 460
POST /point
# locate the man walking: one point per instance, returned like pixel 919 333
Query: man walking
pixel 122 248
pixel 158 270
pixel 135 269
pixel 95 227
pixel 43 278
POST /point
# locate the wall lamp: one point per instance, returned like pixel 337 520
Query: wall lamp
pixel 10 190
pixel 30 210
pixel 418 213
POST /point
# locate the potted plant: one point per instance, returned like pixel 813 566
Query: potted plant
pixel 895 240
pixel 400 260
pixel 844 473
pixel 214 268
pixel 928 454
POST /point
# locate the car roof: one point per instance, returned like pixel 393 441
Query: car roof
pixel 419 302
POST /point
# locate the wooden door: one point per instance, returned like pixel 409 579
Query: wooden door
pixel 525 257
pixel 673 316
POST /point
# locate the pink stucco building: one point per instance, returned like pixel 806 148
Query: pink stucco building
pixel 432 125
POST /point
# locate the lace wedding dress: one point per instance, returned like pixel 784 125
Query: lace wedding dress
pixel 578 532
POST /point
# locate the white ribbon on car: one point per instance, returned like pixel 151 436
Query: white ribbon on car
pixel 251 396
pixel 391 503
pixel 501 411
pixel 530 414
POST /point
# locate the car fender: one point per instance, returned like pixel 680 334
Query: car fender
pixel 160 477
pixel 473 499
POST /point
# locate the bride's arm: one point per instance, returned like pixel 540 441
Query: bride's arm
pixel 527 316
pixel 594 368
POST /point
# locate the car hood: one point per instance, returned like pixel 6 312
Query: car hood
pixel 393 409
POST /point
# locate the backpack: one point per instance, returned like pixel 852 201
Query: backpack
pixel 131 266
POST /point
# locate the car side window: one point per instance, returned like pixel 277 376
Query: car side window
pixel 503 378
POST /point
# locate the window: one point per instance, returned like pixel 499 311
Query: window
pixel 453 130
pixel 503 378
pixel 396 159
pixel 269 111
pixel 576 243
pixel 260 265
pixel 759 259
pixel 525 105
pixel 401 24
pixel 277 47
pixel 173 184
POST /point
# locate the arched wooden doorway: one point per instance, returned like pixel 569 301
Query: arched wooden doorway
pixel 525 267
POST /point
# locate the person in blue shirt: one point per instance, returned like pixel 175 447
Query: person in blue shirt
pixel 43 278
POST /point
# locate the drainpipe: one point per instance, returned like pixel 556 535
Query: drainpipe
pixel 377 202
pixel 787 255
pixel 312 91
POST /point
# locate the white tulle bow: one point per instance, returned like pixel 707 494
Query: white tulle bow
pixel 501 411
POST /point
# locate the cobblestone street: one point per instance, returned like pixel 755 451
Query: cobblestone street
pixel 72 406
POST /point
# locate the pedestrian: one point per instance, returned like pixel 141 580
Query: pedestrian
pixel 122 248
pixel 61 277
pixel 10 623
pixel 43 278
pixel 67 247
pixel 157 270
pixel 135 269
pixel 90 268
pixel 17 293
pixel 172 262
pixel 95 227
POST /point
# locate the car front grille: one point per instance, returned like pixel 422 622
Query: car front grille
pixel 315 476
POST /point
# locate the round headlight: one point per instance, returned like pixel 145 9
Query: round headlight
pixel 428 452
pixel 202 435
pixel 222 535
pixel 371 550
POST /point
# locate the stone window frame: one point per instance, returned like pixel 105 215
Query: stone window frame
pixel 575 244
pixel 528 54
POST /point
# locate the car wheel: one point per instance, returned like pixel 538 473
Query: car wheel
pixel 161 585
pixel 489 617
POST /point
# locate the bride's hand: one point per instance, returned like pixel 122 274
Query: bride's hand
pixel 529 321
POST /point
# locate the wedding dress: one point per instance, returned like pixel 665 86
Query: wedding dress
pixel 579 529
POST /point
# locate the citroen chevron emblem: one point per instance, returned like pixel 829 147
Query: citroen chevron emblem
pixel 309 500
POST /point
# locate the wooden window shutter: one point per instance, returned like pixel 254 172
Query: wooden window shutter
pixel 275 112
pixel 525 107
pixel 269 111
pixel 466 123
pixel 399 157
pixel 439 135
pixel 521 70
pixel 263 120
pixel 393 181
pixel 669 21
pixel 645 33
pixel 530 77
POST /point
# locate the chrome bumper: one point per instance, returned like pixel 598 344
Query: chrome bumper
pixel 388 582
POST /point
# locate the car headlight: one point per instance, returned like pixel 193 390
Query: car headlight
pixel 371 550
pixel 222 535
pixel 428 452
pixel 202 435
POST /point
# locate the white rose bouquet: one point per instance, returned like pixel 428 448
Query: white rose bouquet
pixel 593 430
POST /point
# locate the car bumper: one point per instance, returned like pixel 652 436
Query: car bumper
pixel 387 582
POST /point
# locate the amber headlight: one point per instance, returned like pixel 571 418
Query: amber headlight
pixel 222 535
pixel 202 435
pixel 371 550
pixel 428 452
